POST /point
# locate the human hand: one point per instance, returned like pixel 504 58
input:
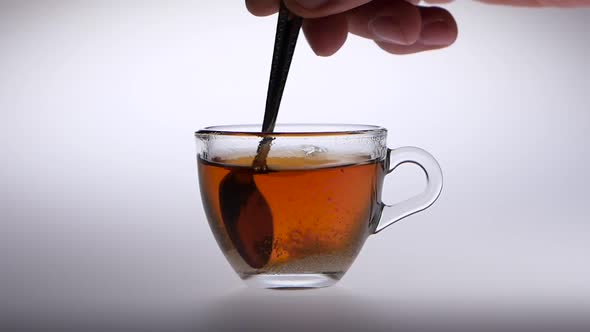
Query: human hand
pixel 397 26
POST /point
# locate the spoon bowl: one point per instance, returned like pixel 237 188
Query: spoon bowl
pixel 247 217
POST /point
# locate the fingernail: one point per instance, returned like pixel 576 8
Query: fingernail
pixel 437 34
pixel 311 4
pixel 388 29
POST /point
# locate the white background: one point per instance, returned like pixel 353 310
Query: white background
pixel 100 214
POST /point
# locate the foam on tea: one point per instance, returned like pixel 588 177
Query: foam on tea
pixel 308 157
pixel 323 207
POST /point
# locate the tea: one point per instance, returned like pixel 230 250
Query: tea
pixel 323 209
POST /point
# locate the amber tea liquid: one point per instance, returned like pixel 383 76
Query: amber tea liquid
pixel 322 209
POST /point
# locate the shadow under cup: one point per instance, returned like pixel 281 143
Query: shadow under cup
pixel 317 200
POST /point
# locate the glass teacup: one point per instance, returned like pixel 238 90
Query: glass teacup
pixel 317 200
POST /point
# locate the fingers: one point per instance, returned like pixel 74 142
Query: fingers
pixel 438 30
pixel 326 35
pixel 322 8
pixel 401 28
pixel 388 21
pixel 262 7
pixel 304 8
pixel 397 26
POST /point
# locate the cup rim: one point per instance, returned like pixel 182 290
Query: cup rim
pixel 294 129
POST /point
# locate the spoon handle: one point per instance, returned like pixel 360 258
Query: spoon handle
pixel 288 28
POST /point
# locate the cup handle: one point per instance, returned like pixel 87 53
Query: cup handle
pixel 434 183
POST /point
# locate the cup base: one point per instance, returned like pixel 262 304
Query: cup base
pixel 292 281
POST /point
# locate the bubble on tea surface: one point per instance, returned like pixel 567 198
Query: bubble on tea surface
pixel 312 150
